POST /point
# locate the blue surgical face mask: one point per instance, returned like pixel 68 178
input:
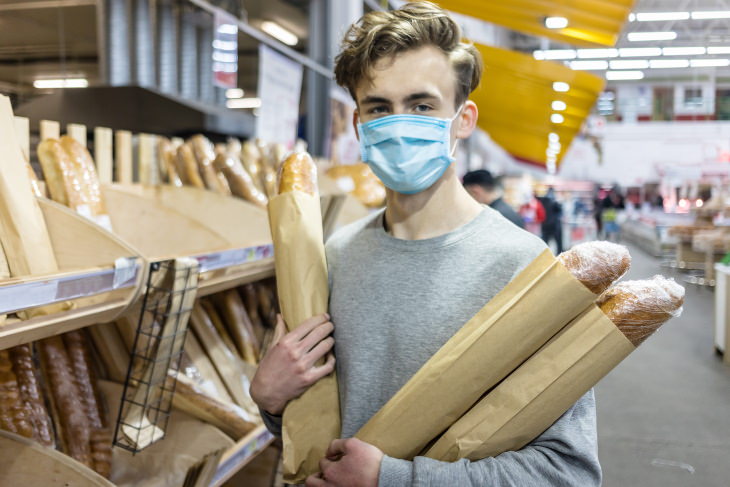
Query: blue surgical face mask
pixel 409 153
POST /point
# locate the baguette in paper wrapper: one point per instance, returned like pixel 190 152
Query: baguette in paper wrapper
pixel 311 421
pixel 502 335
pixel 534 396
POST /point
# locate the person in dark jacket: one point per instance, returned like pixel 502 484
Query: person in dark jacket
pixel 552 227
pixel 482 186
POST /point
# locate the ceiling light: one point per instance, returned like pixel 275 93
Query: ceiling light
pixel 556 22
pixel 597 53
pixel 278 32
pixel 225 57
pixel 244 103
pixel 658 16
pixel 624 75
pixel 683 51
pixel 61 83
pixel 718 50
pixel 228 29
pixel 608 95
pixel 640 51
pixel 651 36
pixel 709 63
pixel 225 45
pixel 707 15
pixel 234 93
pixel 589 65
pixel 557 118
pixel 632 17
pixel 630 64
pixel 554 54
pixel 561 87
pixel 559 106
pixel 553 137
pixel 668 63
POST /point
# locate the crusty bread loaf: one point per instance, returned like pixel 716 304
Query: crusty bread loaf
pixel 251 159
pixel 69 410
pixel 15 416
pixel 231 419
pixel 58 173
pixel 168 168
pixel 85 169
pixel 639 308
pixel 239 325
pixel 597 264
pixel 204 155
pixel 101 451
pixel 31 394
pixel 298 173
pixel 239 179
pixel 187 167
pixel 80 360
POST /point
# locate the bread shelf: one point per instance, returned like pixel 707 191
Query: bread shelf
pixel 237 457
pixel 99 277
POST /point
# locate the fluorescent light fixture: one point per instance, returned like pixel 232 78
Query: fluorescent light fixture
pixel 651 36
pixel 278 32
pixel 561 87
pixel 632 17
pixel 624 75
pixel 597 53
pixel 607 95
pixel 709 63
pixel 60 83
pixel 630 64
pixel 554 54
pixel 668 63
pixel 234 93
pixel 553 137
pixel 711 14
pixel 640 51
pixel 244 103
pixel 683 51
pixel 557 118
pixel 659 16
pixel 718 50
pixel 228 29
pixel 556 22
pixel 589 65
pixel 225 45
pixel 559 106
pixel 225 67
pixel 225 57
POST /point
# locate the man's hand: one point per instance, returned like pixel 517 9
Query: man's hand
pixel 289 369
pixel 348 463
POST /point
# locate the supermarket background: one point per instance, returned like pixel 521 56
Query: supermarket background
pixel 620 107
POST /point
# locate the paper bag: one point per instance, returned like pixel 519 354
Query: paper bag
pixel 311 421
pixel 534 396
pixel 23 231
pixel 530 310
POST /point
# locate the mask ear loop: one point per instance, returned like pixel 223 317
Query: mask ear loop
pixel 456 142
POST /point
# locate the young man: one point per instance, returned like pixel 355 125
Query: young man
pixel 405 279
pixel 483 188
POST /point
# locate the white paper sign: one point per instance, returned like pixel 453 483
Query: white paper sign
pixel 280 85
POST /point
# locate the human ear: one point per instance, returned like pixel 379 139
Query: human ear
pixel 355 118
pixel 467 121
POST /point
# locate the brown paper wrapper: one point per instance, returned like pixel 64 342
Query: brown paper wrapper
pixel 530 310
pixel 23 231
pixel 535 395
pixel 311 421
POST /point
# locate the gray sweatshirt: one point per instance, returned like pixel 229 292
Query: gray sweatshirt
pixel 395 302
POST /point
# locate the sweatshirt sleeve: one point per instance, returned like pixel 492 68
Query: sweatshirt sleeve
pixel 565 455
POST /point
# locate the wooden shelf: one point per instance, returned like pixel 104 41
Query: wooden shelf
pixel 237 457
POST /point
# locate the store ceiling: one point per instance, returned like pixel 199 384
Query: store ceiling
pixel 58 38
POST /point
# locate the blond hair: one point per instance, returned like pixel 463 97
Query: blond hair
pixel 379 35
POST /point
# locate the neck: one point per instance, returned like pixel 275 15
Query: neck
pixel 440 209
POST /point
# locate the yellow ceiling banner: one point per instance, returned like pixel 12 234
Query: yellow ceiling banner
pixel 533 109
pixel 582 22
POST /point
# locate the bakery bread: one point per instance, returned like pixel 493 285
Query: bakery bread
pixel 31 395
pixel 80 359
pixel 298 173
pixel 86 175
pixel 101 451
pixel 187 167
pixel 239 325
pixel 639 308
pixel 15 416
pixel 204 155
pixel 251 159
pixel 597 264
pixel 168 169
pixel 58 173
pixel 239 180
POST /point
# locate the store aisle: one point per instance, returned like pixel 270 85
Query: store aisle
pixel 664 413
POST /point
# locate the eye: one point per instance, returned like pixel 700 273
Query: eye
pixel 422 108
pixel 378 110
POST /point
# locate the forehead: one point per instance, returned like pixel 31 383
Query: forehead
pixel 426 69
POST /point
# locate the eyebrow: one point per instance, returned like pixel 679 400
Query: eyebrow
pixel 370 100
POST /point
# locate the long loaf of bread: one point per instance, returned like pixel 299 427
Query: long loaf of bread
pixel 59 174
pixel 639 308
pixel 237 322
pixel 31 394
pixel 205 155
pixel 298 173
pixel 187 167
pixel 597 264
pixel 15 415
pixel 239 180
pixel 85 170
pixel 168 168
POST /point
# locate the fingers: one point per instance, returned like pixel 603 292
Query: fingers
pixel 324 369
pixel 280 329
pixel 317 335
pixel 336 449
pixel 308 325
pixel 315 480
pixel 320 350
